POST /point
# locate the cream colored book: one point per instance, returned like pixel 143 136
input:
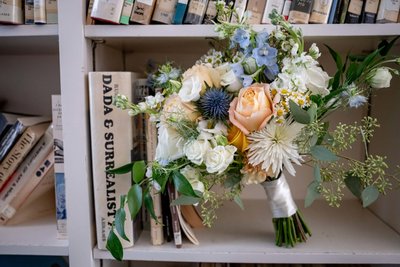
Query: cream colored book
pixel 39 11
pixel 186 228
pixel 29 16
pixel 11 12
pixel 107 10
pixel 388 11
pixel 256 7
pixel 320 11
pixel 51 12
pixel 240 7
pixel 271 5
pixel 164 11
pixel 142 11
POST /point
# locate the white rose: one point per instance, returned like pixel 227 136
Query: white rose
pixel 222 69
pixel 208 133
pixel 195 150
pixel 380 78
pixel 169 146
pixel 219 158
pixel 174 106
pixel 193 176
pixel 317 81
pixel 191 89
pixel 230 80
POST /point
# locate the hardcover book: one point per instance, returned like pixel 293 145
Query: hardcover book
pixel 300 11
pixel 354 11
pixel 142 11
pixel 112 143
pixel 51 12
pixel 29 14
pixel 164 11
pixel 107 10
pixel 334 7
pixel 59 176
pixel 89 20
pixel 6 122
pixel 166 214
pixel 39 11
pixel 271 5
pixel 180 11
pixel 211 12
pixel 256 7
pixel 126 12
pixel 343 11
pixel 196 11
pixel 286 9
pixel 11 12
pixel 240 7
pixel 388 11
pixel 370 10
pixel 176 227
pixel 320 11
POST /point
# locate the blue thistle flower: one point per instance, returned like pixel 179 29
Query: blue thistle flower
pixel 214 104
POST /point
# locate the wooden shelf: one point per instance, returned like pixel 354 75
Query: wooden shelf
pixel 35 237
pixel 349 234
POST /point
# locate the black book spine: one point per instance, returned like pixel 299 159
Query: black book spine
pixel 338 11
pixel 354 11
pixel 166 213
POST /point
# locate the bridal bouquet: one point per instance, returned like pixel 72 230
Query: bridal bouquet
pixel 247 113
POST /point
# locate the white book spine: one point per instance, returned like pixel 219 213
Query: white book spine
pixel 111 136
pixel 286 9
pixel 107 10
pixel 29 15
pixel 51 12
pixel 271 5
pixel 59 176
pixel 39 11
pixel 388 11
pixel 11 11
pixel 240 7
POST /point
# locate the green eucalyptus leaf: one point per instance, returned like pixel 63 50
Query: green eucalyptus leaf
pixel 185 200
pixel 120 218
pixel 122 201
pixel 148 203
pixel 299 114
pixel 317 173
pixel 312 112
pixel 232 180
pixel 323 133
pixel 121 170
pixel 353 183
pixel 138 171
pixel 369 195
pixel 312 193
pixel 114 245
pixel 238 201
pixel 322 153
pixel 182 185
pixel 135 199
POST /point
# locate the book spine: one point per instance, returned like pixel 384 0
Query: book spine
pixel 196 11
pixel 174 216
pixel 89 20
pixel 354 11
pixel 370 11
pixel 333 11
pixel 9 140
pixel 164 11
pixel 286 9
pixel 320 11
pixel 10 208
pixel 300 11
pixel 388 11
pixel 271 5
pixel 142 11
pixel 51 12
pixel 107 10
pixel 11 12
pixel 126 12
pixel 27 169
pixel 180 11
pixel 211 12
pixel 240 7
pixel 343 11
pixel 256 7
pixel 166 213
pixel 111 140
pixel 39 11
pixel 29 15
pixel 59 176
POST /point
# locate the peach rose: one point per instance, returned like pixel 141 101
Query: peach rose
pixel 252 109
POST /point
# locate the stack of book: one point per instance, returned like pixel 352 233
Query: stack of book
pixel 204 11
pixel 28 12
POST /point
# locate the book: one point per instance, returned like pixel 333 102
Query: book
pixel 39 11
pixel 211 12
pixel 176 227
pixel 271 5
pixel 370 10
pixel 27 169
pixel 18 152
pixel 186 228
pixel 320 11
pixel 6 122
pixel 59 174
pixel 126 12
pixel 107 10
pixel 29 14
pixel 256 7
pixel 354 11
pixel 191 216
pixel 32 181
pixel 300 11
pixel 11 12
pixel 196 11
pixel 51 12
pixel 286 9
pixel 164 11
pixel 111 143
pixel 240 7
pixel 388 11
pixel 343 11
pixel 180 11
pixel 333 11
pixel 166 215
pixel 89 20
pixel 142 11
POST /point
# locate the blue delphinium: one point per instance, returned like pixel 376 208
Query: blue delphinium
pixel 262 38
pixel 271 71
pixel 241 37
pixel 265 55
pixel 214 104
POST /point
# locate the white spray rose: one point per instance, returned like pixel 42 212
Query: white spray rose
pixel 193 177
pixel 196 150
pixel 191 89
pixel 380 78
pixel 230 80
pixel 219 158
pixel 208 133
pixel 317 81
pixel 169 146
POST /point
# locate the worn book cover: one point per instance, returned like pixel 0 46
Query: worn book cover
pixel 89 20
pixel 107 10
pixel 256 7
pixel 354 11
pixel 6 122
pixel 388 11
pixel 211 12
pixel 180 11
pixel 370 11
pixel 334 7
pixel 11 12
pixel 300 11
pixel 29 15
pixel 126 12
pixel 39 11
pixel 51 12
pixel 271 5
pixel 286 9
pixel 142 11
pixel 196 11
pixel 320 11
pixel 164 11
pixel 176 227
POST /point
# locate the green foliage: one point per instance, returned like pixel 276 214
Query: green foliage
pixel 369 195
pixel 186 200
pixel 312 193
pixel 322 153
pixel 182 185
pixel 121 170
pixel 114 245
pixel 353 183
pixel 134 199
pixel 299 114
pixel 120 218
pixel 138 171
pixel 148 203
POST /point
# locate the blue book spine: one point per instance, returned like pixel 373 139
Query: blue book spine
pixel 180 11
pixel 333 11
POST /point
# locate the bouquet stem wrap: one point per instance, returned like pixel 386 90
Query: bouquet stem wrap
pixel 290 227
